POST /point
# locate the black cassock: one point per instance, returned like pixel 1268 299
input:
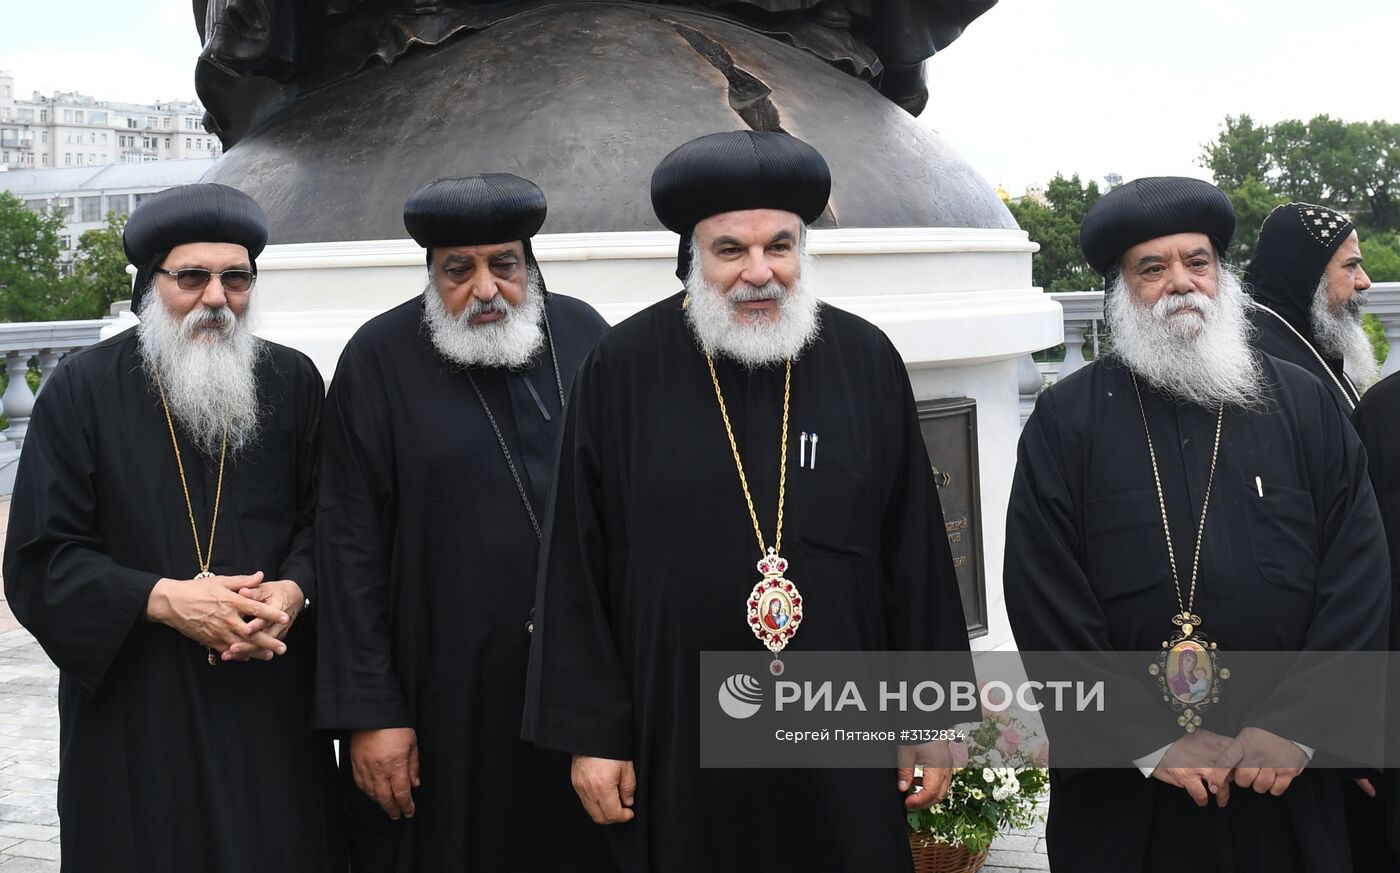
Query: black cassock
pixel 1284 330
pixel 1301 568
pixel 168 763
pixel 1377 420
pixel 430 564
pixel 650 559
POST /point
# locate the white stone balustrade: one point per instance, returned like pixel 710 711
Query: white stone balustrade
pixel 1384 303
pixel 1082 309
pixel 48 341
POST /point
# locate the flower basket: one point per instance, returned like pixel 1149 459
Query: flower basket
pixel 932 856
pixel 999 780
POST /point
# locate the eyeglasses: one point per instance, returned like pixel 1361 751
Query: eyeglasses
pixel 196 278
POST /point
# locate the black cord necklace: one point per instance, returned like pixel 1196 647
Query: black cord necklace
pixel 500 438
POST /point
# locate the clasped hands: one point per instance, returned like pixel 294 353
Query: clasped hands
pixel 1205 764
pixel 242 617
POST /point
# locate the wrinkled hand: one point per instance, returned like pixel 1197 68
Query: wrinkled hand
pixel 385 766
pixel 1192 764
pixel 283 594
pixel 212 613
pixel 1266 762
pixel 606 787
pixel 937 762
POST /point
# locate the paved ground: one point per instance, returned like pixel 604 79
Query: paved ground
pixel 29 760
pixel 28 746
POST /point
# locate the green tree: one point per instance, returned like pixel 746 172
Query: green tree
pixel 1381 256
pixel 1239 152
pixel 1350 166
pixel 99 271
pixel 30 285
pixel 1059 265
pixel 1253 201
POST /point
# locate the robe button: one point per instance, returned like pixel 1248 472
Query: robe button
pixel 530 625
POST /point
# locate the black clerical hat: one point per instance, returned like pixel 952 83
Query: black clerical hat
pixel 202 212
pixel 1153 207
pixel 744 169
pixel 1296 242
pixel 475 211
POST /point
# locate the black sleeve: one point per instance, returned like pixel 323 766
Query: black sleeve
pixel 578 699
pixel 356 686
pixel 1053 607
pixel 300 563
pixel 79 603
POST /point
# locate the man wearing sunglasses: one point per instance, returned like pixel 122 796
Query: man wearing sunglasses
pixel 439 450
pixel 160 550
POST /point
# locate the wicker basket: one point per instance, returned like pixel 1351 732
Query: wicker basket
pixel 931 856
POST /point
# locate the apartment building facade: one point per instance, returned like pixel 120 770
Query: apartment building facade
pixel 69 129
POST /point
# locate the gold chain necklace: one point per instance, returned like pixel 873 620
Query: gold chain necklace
pixel 1187 690
pixel 204 557
pixel 774 627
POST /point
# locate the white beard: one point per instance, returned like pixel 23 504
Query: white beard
pixel 1203 359
pixel 722 330
pixel 208 376
pixel 511 342
pixel 1339 334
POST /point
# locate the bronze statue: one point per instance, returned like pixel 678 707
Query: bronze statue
pixel 310 43
pixel 333 111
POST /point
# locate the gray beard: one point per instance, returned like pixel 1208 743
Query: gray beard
pixel 1339 334
pixel 1203 359
pixel 512 341
pixel 209 378
pixel 722 331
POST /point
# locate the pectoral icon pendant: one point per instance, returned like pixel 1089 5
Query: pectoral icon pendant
pixel 774 607
pixel 1188 670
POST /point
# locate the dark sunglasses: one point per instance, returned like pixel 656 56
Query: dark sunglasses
pixel 195 278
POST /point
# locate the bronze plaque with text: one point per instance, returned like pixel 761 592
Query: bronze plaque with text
pixel 949 426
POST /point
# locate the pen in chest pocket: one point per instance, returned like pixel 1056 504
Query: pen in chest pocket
pixel 814 451
pixel 802 456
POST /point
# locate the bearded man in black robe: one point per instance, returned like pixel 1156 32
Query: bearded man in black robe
pixel 440 434
pixel 1275 545
pixel 160 550
pixel 1308 287
pixel 650 557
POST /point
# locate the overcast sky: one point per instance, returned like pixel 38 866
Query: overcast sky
pixel 1033 87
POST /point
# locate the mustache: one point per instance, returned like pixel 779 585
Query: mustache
pixel 747 293
pixel 485 307
pixel 221 319
pixel 1170 304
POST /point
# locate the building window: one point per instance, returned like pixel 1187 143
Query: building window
pixel 65 242
pixel 90 208
pixel 118 203
pixel 43 115
pixel 131 123
pixel 44 137
pixel 92 138
pixel 46 159
pixel 68 115
pixel 67 159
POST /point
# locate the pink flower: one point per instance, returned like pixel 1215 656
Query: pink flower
pixel 959 753
pixel 1041 755
pixel 1009 741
